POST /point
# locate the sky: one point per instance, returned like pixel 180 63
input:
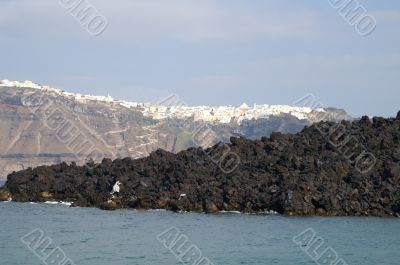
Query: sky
pixel 219 52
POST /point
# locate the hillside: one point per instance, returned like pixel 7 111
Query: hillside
pixel 40 125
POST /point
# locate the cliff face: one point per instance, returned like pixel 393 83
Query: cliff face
pixel 45 126
pixel 39 128
pixel 351 168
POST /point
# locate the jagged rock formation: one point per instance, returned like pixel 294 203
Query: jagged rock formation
pixel 351 168
pixel 40 125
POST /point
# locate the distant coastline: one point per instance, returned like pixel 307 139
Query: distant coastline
pixel 100 126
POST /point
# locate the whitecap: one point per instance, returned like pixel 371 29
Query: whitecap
pixel 236 212
pixel 156 210
pixel 271 212
pixel 51 202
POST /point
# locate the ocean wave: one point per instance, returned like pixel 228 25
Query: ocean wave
pixel 60 203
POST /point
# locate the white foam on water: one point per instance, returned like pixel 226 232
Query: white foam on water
pixel 59 202
pixel 270 212
pixel 50 202
pixel 156 210
pixel 236 212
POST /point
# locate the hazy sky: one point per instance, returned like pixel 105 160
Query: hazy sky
pixel 216 52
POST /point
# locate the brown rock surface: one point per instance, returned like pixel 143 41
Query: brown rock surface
pixel 5 194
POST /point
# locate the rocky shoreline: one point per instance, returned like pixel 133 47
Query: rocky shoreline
pixel 328 169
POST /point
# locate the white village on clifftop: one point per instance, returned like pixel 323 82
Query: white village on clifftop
pixel 219 114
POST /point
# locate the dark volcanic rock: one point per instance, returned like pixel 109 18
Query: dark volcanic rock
pixel 351 168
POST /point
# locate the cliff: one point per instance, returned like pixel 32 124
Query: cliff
pixel 40 125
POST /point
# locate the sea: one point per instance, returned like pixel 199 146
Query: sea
pixel 57 234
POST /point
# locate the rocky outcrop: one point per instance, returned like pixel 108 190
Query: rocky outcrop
pixel 351 168
pixel 5 195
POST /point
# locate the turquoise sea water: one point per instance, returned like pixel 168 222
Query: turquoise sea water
pixel 94 237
